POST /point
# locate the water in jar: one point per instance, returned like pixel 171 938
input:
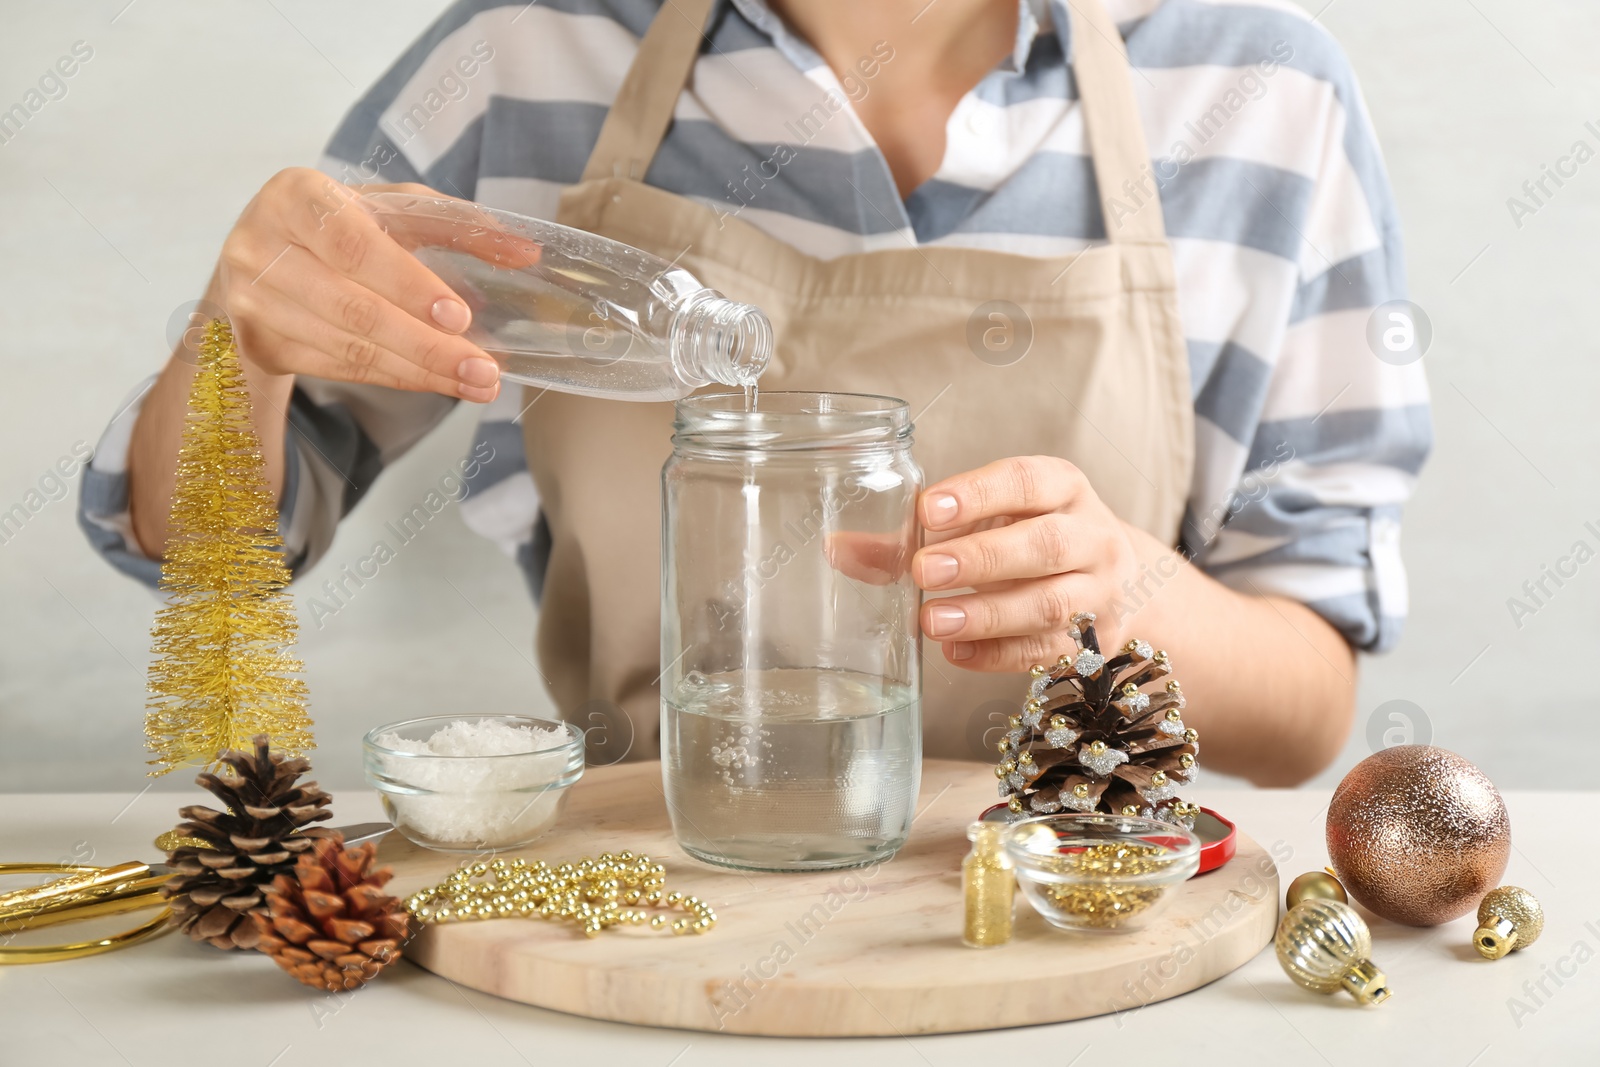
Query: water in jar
pixel 787 769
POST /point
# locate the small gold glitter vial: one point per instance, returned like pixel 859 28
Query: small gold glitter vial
pixel 989 886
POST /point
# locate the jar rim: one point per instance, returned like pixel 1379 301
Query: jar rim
pixel 791 419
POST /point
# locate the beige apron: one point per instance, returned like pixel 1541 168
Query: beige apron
pixel 1105 382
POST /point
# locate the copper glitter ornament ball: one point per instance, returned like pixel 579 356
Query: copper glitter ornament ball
pixel 1418 835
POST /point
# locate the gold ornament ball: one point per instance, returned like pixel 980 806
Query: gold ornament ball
pixel 1418 835
pixel 1508 919
pixel 1325 946
pixel 1314 885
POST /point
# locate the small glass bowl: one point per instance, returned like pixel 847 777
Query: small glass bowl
pixel 1099 873
pixel 472 803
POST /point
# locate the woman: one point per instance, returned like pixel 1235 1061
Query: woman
pixel 997 210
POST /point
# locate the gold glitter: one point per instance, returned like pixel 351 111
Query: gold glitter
pixel 987 884
pixel 1103 904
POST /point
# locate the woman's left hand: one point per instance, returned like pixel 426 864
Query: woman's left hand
pixel 1037 545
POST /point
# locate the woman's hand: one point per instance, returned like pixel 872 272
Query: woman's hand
pixel 1037 545
pixel 314 286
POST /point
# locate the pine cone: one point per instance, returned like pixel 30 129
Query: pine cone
pixel 1100 743
pixel 264 823
pixel 329 923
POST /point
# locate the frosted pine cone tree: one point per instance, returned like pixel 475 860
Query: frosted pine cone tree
pixel 1089 737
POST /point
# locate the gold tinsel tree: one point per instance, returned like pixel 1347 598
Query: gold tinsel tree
pixel 223 672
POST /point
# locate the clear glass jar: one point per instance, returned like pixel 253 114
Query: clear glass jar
pixel 791 716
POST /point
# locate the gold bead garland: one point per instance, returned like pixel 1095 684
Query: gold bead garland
pixel 612 890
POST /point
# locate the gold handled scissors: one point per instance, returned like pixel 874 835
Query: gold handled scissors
pixel 88 892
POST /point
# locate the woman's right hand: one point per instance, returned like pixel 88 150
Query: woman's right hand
pixel 313 285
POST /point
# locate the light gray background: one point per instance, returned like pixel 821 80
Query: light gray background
pixel 115 198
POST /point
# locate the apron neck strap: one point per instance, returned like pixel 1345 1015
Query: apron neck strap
pixel 640 114
pixel 1128 197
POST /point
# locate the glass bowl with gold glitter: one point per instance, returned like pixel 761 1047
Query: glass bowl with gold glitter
pixel 1097 872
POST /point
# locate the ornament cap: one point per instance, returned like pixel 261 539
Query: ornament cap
pixel 1495 939
pixel 1366 983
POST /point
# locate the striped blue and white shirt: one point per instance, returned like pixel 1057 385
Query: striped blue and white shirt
pixel 1282 225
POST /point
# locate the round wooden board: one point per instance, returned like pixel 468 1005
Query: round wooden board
pixel 871 951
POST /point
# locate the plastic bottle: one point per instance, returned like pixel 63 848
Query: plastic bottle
pixel 571 311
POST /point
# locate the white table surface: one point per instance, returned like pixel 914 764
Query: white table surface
pixel 172 1002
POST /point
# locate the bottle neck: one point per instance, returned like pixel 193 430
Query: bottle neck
pixel 988 844
pixel 715 339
